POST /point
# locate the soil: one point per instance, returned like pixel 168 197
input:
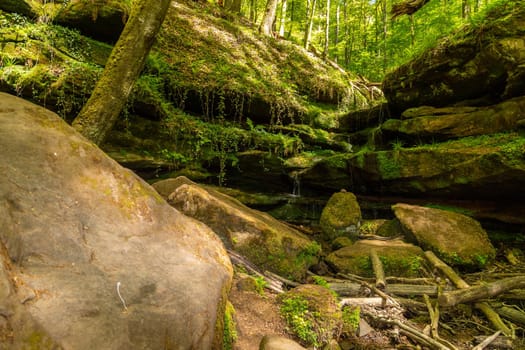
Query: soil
pixel 256 315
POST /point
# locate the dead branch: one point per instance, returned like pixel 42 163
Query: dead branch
pixel 410 332
pixel 510 313
pixel 487 341
pixel 377 266
pixel 354 289
pixel 490 314
pixel 271 283
pixel 485 291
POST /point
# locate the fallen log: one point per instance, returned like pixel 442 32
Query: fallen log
pixel 355 289
pixel 377 266
pixel 484 291
pixel 484 307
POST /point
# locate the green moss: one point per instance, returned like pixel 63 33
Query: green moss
pixel 351 318
pixel 451 208
pixel 38 341
pixel 388 166
pixel 230 327
pixel 296 313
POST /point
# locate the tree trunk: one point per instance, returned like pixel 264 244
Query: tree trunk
pixel 327 30
pixel 337 28
pixel 269 18
pixel 253 11
pixel 124 65
pixel 309 24
pixel 283 19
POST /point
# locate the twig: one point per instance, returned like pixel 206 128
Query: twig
pixel 484 307
pixel 120 296
pixel 487 341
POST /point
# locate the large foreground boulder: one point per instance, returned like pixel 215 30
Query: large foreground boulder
pixel 92 257
pixel 265 241
pixel 457 239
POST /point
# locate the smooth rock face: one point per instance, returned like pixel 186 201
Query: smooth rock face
pixel 265 241
pixel 455 238
pixel 78 230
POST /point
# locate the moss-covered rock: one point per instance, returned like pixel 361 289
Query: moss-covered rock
pixel 312 313
pixel 432 124
pixel 398 258
pixel 457 239
pixel 262 239
pixel 483 61
pixel 341 216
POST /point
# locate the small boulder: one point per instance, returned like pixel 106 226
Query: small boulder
pixel 457 239
pixel 398 258
pixel 275 342
pixel 313 313
pixel 265 241
pixel 341 216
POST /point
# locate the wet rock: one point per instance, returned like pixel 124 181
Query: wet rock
pixel 457 239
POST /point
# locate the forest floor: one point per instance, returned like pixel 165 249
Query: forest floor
pixel 256 315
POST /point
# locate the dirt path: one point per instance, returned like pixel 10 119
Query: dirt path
pixel 256 316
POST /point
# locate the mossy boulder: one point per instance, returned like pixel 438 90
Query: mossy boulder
pixel 484 61
pixel 488 166
pixel 312 313
pixel 398 258
pixel 262 239
pixel 341 216
pixel 457 239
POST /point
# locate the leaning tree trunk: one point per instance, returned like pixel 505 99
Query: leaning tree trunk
pixel 268 18
pixel 124 65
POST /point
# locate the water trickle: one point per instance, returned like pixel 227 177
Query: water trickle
pixel 296 189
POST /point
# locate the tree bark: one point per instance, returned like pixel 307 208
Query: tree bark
pixel 124 65
pixel 327 30
pixel 269 18
pixel 309 23
pixel 233 5
pixel 283 19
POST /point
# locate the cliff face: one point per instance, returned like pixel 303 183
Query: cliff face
pixel 480 65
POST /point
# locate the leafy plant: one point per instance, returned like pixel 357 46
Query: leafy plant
pixel 296 313
pixel 260 284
